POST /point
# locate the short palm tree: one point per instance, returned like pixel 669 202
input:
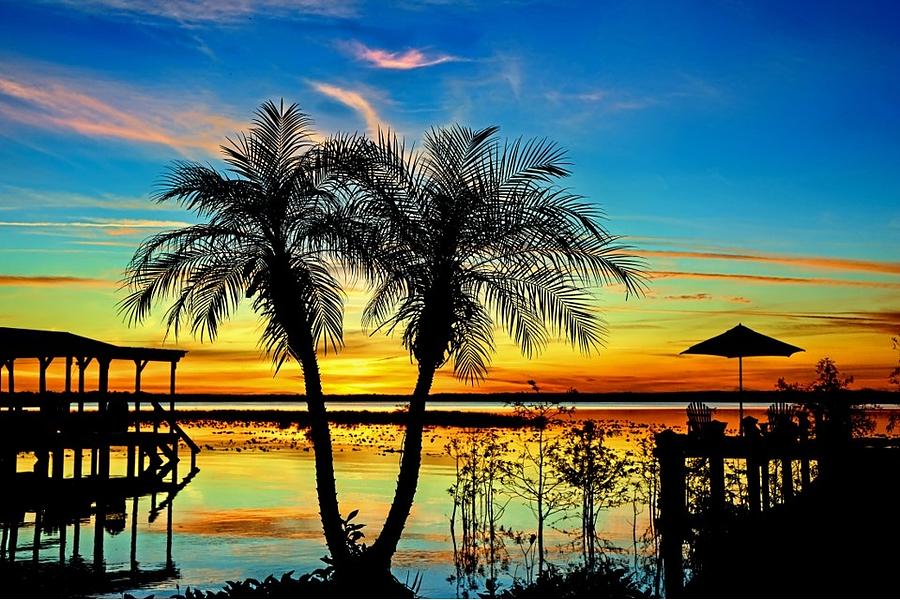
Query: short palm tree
pixel 476 235
pixel 272 223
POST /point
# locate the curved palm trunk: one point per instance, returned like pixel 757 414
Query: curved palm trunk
pixel 302 347
pixel 408 480
pixel 326 488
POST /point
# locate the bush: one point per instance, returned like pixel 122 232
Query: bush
pixel 605 581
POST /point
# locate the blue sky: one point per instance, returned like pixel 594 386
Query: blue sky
pixel 744 145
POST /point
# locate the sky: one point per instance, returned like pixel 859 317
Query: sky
pixel 747 150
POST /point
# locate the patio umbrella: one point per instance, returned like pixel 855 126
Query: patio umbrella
pixel 739 342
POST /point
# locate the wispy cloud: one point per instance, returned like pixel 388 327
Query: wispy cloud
pixel 99 224
pixel 59 103
pixel 817 262
pixel 52 281
pixel 193 13
pixel 352 99
pixel 773 279
pixel 609 101
pixel 700 296
pixel 412 58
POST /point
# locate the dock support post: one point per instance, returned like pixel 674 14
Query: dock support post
pixel 36 544
pixel 11 376
pixel 44 362
pixel 62 541
pixel 130 462
pixel 76 467
pixel 169 564
pixel 13 538
pixel 670 453
pixel 99 524
pixel 76 536
pixel 134 523
pixel 103 379
pixel 59 455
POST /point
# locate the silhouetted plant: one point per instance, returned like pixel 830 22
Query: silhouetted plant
pixel 828 403
pixel 271 224
pixel 531 475
pixel 598 475
pixel 480 553
pixel 475 234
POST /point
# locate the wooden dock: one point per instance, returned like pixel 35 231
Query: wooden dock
pixel 56 449
pixel 708 479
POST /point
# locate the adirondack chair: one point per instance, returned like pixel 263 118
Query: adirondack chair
pixel 781 416
pixel 699 416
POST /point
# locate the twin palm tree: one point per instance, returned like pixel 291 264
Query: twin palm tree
pixel 272 223
pixel 468 235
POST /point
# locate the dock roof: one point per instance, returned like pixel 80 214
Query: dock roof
pixel 37 343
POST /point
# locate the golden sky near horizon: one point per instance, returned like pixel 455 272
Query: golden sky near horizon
pixel 748 150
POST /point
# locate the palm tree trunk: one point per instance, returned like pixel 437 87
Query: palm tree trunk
pixel 302 347
pixel 384 547
pixel 326 488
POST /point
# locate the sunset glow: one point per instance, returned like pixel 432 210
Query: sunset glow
pixel 758 178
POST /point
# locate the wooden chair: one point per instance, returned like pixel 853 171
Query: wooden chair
pixel 781 416
pixel 699 416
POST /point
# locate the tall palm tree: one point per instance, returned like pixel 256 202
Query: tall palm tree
pixel 272 222
pixel 476 235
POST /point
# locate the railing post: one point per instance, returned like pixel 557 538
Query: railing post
pixel 714 437
pixel 68 374
pixel 751 439
pixel 787 478
pixel 804 451
pixel 670 453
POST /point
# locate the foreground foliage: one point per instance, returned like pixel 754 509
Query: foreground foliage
pixel 318 584
pixel 605 581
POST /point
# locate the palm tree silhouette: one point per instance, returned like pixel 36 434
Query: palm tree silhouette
pixel 475 234
pixel 272 223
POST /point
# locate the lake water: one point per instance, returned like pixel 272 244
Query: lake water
pixel 251 509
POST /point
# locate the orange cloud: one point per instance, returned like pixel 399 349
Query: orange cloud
pixel 52 281
pixel 354 100
pixel 817 262
pixel 773 279
pixel 55 103
pixel 410 59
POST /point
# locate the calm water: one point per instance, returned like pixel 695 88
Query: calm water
pixel 251 510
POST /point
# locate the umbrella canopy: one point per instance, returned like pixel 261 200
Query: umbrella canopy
pixel 742 341
pixel 739 342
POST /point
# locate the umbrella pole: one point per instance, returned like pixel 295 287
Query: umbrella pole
pixel 741 395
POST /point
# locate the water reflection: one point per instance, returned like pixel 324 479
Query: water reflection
pixel 252 510
pixel 90 535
